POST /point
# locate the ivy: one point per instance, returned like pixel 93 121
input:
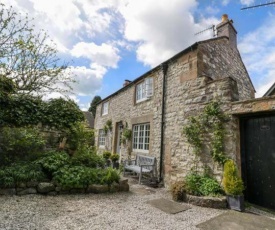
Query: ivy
pixel 208 127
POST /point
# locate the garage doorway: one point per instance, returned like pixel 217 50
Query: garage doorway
pixel 258 159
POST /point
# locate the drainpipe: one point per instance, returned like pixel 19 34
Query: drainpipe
pixel 164 67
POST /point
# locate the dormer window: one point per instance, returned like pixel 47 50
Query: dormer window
pixel 144 90
pixel 105 108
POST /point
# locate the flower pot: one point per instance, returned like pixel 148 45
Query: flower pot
pixel 115 165
pixel 236 202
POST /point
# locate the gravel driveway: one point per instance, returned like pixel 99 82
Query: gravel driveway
pixel 97 211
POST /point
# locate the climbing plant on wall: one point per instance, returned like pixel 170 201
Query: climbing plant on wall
pixel 208 127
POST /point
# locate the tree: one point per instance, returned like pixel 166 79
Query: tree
pixel 29 59
pixel 93 104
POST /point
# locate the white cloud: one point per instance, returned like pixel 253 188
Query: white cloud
pixel 160 30
pixel 104 54
pixel 89 80
pixel 247 2
pixel 225 2
pixel 258 51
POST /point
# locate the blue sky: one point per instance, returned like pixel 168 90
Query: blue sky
pixel 109 41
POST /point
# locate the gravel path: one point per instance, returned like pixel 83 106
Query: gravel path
pixel 97 211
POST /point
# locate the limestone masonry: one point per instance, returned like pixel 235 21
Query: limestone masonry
pixel 180 87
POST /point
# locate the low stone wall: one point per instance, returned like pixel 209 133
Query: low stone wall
pixel 48 188
pixel 209 202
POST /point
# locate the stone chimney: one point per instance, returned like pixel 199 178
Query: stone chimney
pixel 226 28
pixel 126 82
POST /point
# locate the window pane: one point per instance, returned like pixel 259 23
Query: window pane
pixel 141 135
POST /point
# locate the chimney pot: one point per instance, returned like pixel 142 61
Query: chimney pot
pixel 126 82
pixel 224 18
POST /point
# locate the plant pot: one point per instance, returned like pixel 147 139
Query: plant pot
pixel 115 165
pixel 235 202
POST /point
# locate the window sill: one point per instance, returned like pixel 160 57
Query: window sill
pixel 140 151
pixel 101 146
pixel 144 99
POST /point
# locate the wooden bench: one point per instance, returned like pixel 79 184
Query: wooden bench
pixel 141 165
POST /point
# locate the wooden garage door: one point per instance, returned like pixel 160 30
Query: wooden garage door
pixel 258 160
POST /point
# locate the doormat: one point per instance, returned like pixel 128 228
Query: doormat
pixel 168 206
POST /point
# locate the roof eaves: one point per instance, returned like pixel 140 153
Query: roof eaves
pixel 190 48
pixel 268 92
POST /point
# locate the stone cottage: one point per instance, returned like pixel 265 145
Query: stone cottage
pixel 156 105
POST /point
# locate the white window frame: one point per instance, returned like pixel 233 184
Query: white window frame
pixel 101 138
pixel 141 138
pixel 105 108
pixel 144 90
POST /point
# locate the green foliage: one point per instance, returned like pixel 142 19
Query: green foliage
pixel 20 144
pixel 209 125
pixel 87 157
pixel 28 56
pixel 20 173
pixel 178 191
pixel 202 185
pixel 108 126
pixel 79 136
pixel 52 161
pixel 114 157
pixel 194 131
pixel 76 176
pixel 93 104
pixel 109 176
pixel 107 155
pixel 126 135
pixel 210 187
pixel 26 110
pixel 62 114
pixel 193 183
pixel 232 182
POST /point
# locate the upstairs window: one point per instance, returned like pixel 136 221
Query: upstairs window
pixel 141 137
pixel 144 90
pixel 105 108
pixel 101 138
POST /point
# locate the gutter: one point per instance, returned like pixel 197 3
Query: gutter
pixel 164 67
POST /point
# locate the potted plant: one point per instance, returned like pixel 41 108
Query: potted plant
pixel 114 157
pixel 233 186
pixel 106 156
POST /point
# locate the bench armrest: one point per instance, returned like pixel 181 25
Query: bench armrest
pixel 146 165
pixel 126 162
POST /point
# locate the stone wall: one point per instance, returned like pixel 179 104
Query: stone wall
pixel 47 188
pixel 188 99
pixel 217 59
pixel 264 104
pixel 122 107
pixel 213 70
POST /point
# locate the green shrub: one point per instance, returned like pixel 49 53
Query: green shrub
pixel 20 173
pixel 202 185
pixel 87 157
pixel 114 157
pixel 209 187
pixel 76 176
pixel 53 161
pixel 79 136
pixel 193 184
pixel 232 182
pixel 178 191
pixel 20 144
pixel 107 155
pixel 109 176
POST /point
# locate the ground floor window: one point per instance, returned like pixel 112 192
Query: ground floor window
pixel 101 138
pixel 141 137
